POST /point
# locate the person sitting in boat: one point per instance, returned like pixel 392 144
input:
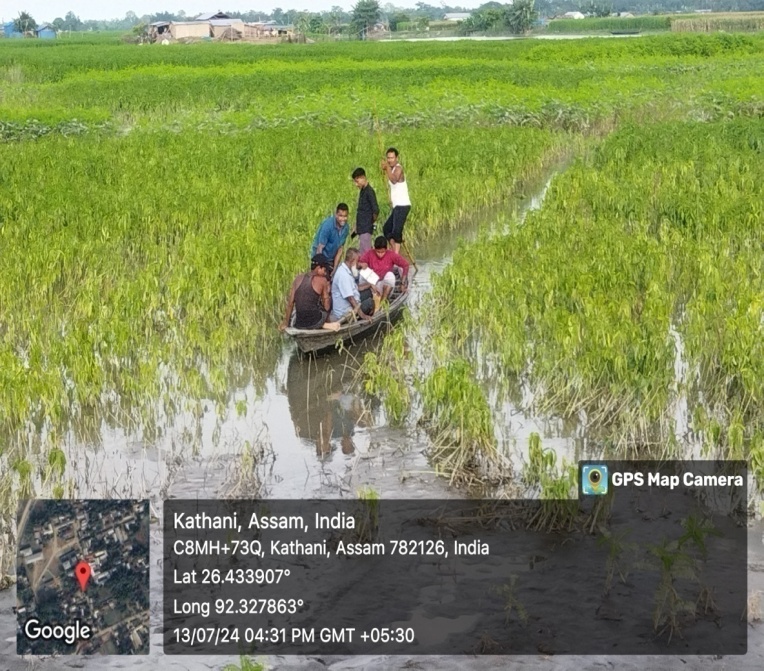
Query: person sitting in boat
pixel 347 295
pixel 331 236
pixel 310 298
pixel 382 261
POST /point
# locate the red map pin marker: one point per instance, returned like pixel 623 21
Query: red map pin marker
pixel 82 572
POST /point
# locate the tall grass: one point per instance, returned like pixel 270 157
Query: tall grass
pixel 594 24
pixel 730 23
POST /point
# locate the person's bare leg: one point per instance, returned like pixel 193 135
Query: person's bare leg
pixel 386 292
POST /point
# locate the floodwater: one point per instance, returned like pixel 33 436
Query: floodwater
pixel 313 434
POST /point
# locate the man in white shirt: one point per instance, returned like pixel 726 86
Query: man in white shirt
pixel 399 199
pixel 346 294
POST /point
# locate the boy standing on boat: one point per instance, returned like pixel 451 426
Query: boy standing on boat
pixel 331 236
pixel 399 199
pixel 368 210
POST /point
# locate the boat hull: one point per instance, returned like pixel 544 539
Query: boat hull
pixel 319 340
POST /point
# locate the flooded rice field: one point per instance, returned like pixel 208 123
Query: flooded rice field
pixel 313 433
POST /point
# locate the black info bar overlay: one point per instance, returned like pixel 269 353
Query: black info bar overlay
pixel 658 570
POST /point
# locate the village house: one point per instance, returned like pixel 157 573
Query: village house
pixel 10 31
pixel 456 17
pixel 218 26
pixel 212 15
pixel 266 30
pixel 45 32
pixel 227 28
pixel 159 29
pixel 181 30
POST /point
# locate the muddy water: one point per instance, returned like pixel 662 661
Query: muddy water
pixel 314 434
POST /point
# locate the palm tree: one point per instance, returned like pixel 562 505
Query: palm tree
pixel 521 15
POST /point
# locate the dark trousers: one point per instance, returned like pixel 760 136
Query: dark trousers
pixel 393 228
pixel 367 302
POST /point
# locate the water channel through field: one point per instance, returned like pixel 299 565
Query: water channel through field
pixel 314 434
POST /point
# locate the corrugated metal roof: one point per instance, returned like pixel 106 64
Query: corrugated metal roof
pixel 212 15
pixel 225 22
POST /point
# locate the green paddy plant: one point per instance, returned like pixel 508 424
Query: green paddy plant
pixel 679 562
pixel 540 461
pixel 219 89
pixel 458 418
pixel 557 486
pixel 385 374
pixel 245 664
pixel 635 266
pixel 620 556
pixel 513 607
pixel 673 563
pixel 367 517
pixel 756 464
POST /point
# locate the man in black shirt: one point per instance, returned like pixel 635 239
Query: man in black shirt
pixel 368 210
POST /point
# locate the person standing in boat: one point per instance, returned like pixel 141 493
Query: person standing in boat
pixel 331 236
pixel 399 199
pixel 347 295
pixel 310 297
pixel 367 212
pixel 383 261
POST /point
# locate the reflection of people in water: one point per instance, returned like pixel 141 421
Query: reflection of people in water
pixel 323 411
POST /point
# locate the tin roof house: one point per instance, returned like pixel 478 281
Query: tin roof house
pixel 209 16
pixel 46 32
pixel 9 31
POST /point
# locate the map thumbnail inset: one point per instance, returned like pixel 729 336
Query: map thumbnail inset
pixel 83 577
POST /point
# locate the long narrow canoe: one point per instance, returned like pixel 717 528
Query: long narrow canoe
pixel 317 340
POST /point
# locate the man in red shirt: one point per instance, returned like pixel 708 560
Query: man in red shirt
pixel 382 261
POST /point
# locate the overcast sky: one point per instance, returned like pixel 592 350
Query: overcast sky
pixel 47 10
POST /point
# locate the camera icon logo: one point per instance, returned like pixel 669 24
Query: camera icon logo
pixel 594 480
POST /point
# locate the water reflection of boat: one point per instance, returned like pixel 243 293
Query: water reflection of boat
pixel 317 340
pixel 323 408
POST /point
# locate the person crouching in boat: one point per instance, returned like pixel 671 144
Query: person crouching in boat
pixel 383 261
pixel 347 295
pixel 310 298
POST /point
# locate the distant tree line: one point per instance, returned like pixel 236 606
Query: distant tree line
pixel 366 13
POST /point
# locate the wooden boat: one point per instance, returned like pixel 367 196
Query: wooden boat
pixel 317 340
